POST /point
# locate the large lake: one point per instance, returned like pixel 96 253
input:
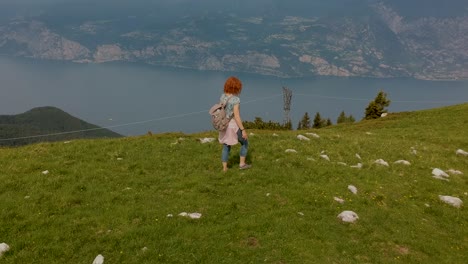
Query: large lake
pixel 134 99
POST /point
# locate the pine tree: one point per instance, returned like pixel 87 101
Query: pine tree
pixel 329 122
pixel 318 123
pixel 341 118
pixel 377 106
pixel 305 122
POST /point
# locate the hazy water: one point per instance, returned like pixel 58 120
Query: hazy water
pixel 120 95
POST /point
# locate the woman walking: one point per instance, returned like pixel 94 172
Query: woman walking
pixel 235 132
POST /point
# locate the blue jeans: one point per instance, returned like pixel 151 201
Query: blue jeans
pixel 243 150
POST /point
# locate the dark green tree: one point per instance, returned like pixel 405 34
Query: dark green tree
pixel 342 118
pixel 305 122
pixel 329 122
pixel 377 106
pixel 318 122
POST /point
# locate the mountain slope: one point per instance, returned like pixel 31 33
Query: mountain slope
pixel 46 120
pixel 121 198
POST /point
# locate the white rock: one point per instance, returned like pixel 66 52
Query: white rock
pixel 323 156
pixel 45 172
pixel 404 162
pixel 170 215
pixel 352 189
pixel 455 172
pixel 461 152
pixel 144 249
pixel 27 197
pixel 383 114
pixel 206 140
pixel 184 214
pixel 300 213
pixel 342 163
pixel 358 156
pixel 3 248
pixel 454 201
pixel 99 259
pixel 67 142
pixel 341 201
pixel 195 215
pixel 291 151
pixel 439 173
pixel 427 205
pixel 301 137
pixel 313 135
pixel 268 194
pixel 381 162
pixel 119 159
pixel 311 159
pixel 440 177
pixel 414 151
pixel 368 133
pixel 348 216
pixel 251 134
pixel 275 135
pixel 358 166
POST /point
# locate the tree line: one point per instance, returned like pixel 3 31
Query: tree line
pixel 374 110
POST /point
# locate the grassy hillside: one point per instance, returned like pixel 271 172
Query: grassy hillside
pixel 114 196
pixel 44 121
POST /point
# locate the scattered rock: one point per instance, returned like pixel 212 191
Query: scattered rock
pixel 358 166
pixel 369 133
pixel 45 172
pixel 170 215
pixel 67 142
pixel 358 156
pixel 300 213
pixel 348 216
pixel 454 201
pixel 414 151
pixel 455 172
pixel 191 215
pixel 291 151
pixel 275 135
pixel 301 137
pixel 311 159
pixel 342 163
pixel 323 156
pixel 144 249
pixel 381 162
pixel 268 194
pixel 313 135
pixel 251 134
pixel 3 248
pixel 383 114
pixel 352 189
pixel 341 201
pixel 195 215
pixel 206 140
pixel 119 159
pixel 404 162
pixel 27 197
pixel 99 259
pixel 439 174
pixel 461 152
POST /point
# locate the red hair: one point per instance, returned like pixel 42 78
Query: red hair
pixel 233 85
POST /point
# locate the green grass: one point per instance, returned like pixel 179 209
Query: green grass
pixel 280 211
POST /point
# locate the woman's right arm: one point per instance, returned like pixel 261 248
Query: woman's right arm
pixel 238 120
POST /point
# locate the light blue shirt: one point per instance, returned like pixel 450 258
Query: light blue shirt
pixel 233 100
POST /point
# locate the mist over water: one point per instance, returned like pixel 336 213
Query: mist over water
pixel 134 99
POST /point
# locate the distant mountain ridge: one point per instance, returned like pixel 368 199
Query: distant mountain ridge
pixel 44 121
pixel 350 38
